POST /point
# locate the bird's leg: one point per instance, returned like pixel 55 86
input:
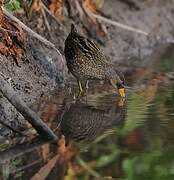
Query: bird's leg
pixel 2 74
pixel 80 88
pixel 86 89
pixel 86 84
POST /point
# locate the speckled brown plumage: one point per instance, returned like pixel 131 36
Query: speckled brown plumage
pixel 84 122
pixel 86 61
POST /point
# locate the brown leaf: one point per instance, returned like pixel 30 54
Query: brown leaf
pixel 66 152
pixel 92 5
pixel 56 8
pixel 12 39
pixel 3 49
pixel 36 6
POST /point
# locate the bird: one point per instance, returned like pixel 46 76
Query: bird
pixel 86 61
pixel 81 122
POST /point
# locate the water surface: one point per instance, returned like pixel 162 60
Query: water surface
pixel 101 136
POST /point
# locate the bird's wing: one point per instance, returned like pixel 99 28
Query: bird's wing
pixel 90 47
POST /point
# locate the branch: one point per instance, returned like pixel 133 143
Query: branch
pixel 27 113
pixel 129 28
pixel 114 23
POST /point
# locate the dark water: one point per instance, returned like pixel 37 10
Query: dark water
pixel 105 137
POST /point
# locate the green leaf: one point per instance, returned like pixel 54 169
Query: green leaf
pixel 12 5
pixel 106 159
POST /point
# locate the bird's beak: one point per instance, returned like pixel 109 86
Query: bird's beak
pixel 121 91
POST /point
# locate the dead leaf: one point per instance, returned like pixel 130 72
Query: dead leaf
pixel 92 5
pixel 45 170
pixel 12 39
pixel 3 49
pixel 66 152
pixel 35 6
pixel 56 7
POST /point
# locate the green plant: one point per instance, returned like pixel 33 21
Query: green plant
pixel 12 5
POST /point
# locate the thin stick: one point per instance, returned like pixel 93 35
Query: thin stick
pixel 46 21
pixel 32 33
pixel 129 28
pixel 13 32
pixel 49 12
pixel 27 113
pixel 79 8
pixel 114 23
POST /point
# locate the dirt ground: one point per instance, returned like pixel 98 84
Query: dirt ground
pixel 42 71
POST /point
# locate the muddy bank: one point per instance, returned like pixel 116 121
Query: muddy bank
pixel 41 69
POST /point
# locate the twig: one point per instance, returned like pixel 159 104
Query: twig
pixel 49 12
pixel 13 32
pixel 32 33
pixel 114 23
pixel 129 28
pixel 46 21
pixel 27 113
pixel 79 8
pixel 9 127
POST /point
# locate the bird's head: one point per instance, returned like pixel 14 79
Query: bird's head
pixel 118 83
pixel 121 90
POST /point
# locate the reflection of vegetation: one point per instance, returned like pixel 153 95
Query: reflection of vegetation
pixel 157 165
pixel 149 126
pixel 136 112
pixel 153 117
pixel 166 65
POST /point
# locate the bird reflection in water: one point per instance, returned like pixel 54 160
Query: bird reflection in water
pixel 85 122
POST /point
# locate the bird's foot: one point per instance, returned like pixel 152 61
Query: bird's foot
pixel 79 95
